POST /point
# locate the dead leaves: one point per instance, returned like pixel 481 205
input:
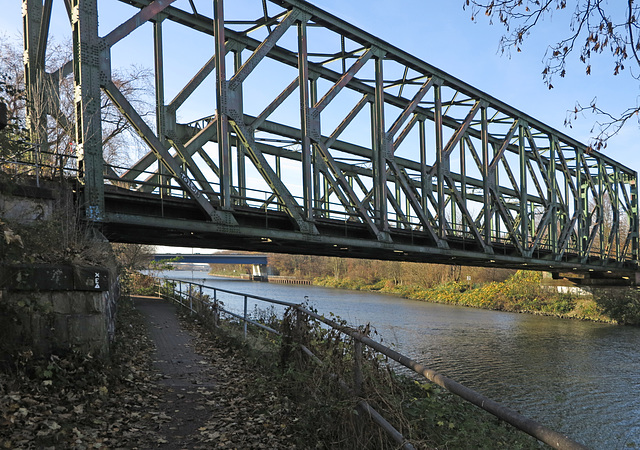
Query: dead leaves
pixel 88 406
pixel 243 411
pixel 81 403
pixel 10 237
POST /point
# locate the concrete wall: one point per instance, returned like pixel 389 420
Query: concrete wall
pixel 27 203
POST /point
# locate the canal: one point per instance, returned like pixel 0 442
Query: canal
pixel 579 378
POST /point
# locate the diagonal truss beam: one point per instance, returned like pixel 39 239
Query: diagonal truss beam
pixel 164 156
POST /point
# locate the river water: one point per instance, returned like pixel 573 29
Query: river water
pixel 578 378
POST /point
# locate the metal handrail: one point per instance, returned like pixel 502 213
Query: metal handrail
pixel 529 426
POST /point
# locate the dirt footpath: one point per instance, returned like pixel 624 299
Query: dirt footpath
pixel 204 390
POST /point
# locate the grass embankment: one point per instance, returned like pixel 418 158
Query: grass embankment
pixel 522 293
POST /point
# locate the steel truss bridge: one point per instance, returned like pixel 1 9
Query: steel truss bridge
pixel 316 137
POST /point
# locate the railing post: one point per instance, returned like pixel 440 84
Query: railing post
pixel 216 312
pixel 245 316
pixel 190 298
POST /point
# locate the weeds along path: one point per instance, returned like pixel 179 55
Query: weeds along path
pixel 207 397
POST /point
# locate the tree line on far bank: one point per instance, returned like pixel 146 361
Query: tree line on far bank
pixel 373 271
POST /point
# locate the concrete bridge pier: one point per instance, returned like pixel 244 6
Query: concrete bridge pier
pixel 259 272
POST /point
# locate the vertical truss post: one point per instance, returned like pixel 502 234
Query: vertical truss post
pixel 35 30
pixel 440 158
pixel 222 97
pixel 86 79
pixel 159 77
pixel 279 175
pixel 463 183
pixel 616 211
pixel 242 174
pixel 159 80
pixel 524 218
pixel 315 163
pixel 567 196
pixel 552 195
pixel 532 222
pixel 633 220
pixel 380 149
pixel 486 182
pixel 303 69
pixel 326 204
pixel 601 206
pixel 577 204
pixel 583 206
pixel 240 150
pixel 425 184
pixel 164 180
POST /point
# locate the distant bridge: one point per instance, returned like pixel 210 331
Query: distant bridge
pixel 214 258
pixel 324 140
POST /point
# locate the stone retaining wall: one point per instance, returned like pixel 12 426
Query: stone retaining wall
pixel 52 309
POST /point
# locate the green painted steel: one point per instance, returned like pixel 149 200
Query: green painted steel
pixel 323 139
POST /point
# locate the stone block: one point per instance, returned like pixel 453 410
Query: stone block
pixel 60 328
pixel 95 303
pixel 62 302
pixel 87 328
pixel 41 277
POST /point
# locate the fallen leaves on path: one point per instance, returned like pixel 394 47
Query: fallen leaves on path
pixel 79 403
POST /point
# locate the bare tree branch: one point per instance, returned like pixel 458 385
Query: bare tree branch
pixel 595 27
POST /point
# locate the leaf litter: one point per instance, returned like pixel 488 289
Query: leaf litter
pixel 78 402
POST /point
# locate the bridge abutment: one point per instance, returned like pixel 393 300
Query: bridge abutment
pixel 64 302
pixel 57 308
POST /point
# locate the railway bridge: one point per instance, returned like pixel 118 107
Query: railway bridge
pixel 318 137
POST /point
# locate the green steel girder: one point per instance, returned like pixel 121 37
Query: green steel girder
pixel 528 194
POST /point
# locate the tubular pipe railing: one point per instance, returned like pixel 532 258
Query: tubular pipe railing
pixel 529 426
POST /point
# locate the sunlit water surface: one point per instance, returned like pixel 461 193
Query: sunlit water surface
pixel 579 378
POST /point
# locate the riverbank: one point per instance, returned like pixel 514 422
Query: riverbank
pixel 520 293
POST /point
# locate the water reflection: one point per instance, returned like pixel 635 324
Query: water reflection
pixel 579 378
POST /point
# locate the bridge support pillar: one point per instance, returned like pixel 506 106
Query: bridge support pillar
pixel 259 272
pixel 87 78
